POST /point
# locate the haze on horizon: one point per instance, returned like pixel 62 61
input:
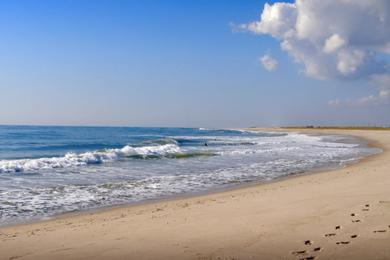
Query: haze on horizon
pixel 195 63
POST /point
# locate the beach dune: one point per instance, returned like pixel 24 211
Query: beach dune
pixel 337 214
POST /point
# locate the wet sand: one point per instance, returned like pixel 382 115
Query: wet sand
pixel 337 214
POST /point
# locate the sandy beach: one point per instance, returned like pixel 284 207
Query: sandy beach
pixel 337 214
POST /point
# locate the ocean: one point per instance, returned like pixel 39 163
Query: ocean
pixel 48 170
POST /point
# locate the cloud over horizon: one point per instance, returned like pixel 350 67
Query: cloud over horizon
pixel 333 39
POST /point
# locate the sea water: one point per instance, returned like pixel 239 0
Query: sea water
pixel 47 170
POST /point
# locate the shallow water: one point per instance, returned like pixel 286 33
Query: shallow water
pixel 50 170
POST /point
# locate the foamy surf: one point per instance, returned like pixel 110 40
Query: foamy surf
pixel 134 164
pixel 95 157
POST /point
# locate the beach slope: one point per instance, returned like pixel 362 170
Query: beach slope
pixel 337 214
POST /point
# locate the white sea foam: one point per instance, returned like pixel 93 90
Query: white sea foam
pixel 82 159
pixel 169 147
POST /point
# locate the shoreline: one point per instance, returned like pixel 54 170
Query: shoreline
pixel 217 190
pixel 146 218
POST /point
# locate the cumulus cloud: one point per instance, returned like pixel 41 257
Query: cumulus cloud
pixel 332 39
pixel 268 62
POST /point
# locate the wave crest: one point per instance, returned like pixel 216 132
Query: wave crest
pixel 89 158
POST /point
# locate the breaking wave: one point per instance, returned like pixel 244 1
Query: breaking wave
pixel 168 150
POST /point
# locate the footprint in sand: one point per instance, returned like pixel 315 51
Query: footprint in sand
pixel 337 227
pixel 354 236
pixel 356 221
pixel 353 214
pixel 380 231
pixel 302 252
pixel 330 235
pixel 343 242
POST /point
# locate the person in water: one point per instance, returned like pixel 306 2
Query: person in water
pixel 205 144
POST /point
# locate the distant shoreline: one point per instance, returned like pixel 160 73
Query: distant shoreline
pixel 338 127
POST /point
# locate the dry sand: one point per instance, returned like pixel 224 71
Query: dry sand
pixel 338 214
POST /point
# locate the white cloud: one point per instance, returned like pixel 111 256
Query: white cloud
pixel 330 38
pixel 384 93
pixel 268 62
pixel 333 39
pixel 276 20
pixel 333 43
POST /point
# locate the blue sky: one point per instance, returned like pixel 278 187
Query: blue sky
pixel 158 63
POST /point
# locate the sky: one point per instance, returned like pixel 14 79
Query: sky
pixel 194 63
